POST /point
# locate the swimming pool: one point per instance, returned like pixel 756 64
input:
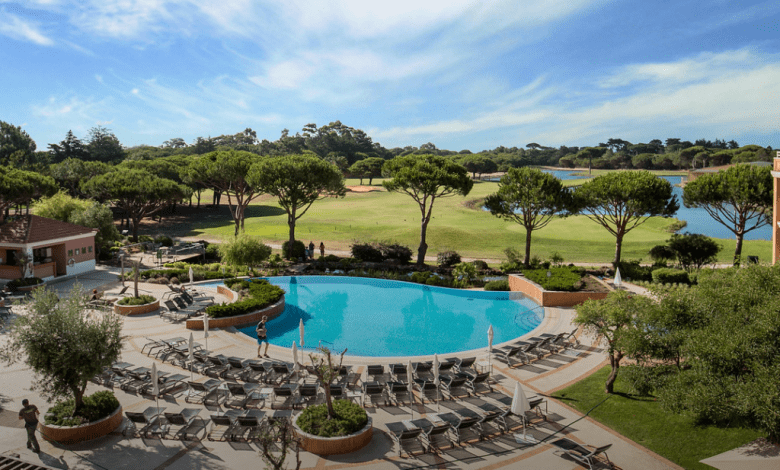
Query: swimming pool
pixel 377 317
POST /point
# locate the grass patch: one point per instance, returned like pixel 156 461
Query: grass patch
pixel 643 420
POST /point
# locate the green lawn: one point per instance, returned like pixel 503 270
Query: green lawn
pixel 383 216
pixel 643 420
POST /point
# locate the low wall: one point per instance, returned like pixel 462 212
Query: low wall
pixel 230 294
pixel 129 310
pixel 85 432
pixel 271 311
pixel 335 445
pixel 547 298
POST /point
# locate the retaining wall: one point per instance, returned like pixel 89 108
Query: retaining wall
pixel 547 298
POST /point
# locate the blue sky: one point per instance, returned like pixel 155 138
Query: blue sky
pixel 461 74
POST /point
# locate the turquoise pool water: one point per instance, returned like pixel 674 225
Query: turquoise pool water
pixel 376 317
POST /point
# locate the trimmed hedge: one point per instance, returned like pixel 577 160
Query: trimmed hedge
pixel 261 295
pixel 350 418
pixel 97 406
pixel 670 276
pixel 140 300
pixel 497 286
pixel 298 250
pixel 183 274
pixel 567 279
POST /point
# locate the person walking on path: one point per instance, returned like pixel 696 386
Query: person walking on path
pixel 322 248
pixel 30 416
pixel 262 336
pixel 311 249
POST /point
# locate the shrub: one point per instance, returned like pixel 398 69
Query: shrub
pixel 497 286
pixel 298 251
pixel 350 418
pixel 366 252
pixel 175 281
pixel 511 267
pixel 27 281
pixel 145 239
pixel 140 300
pixel 513 256
pixel 464 272
pixel 163 240
pixel 261 295
pixel 561 279
pixel 631 270
pixel 244 250
pixel 447 258
pixel 96 406
pixel 396 251
pixel 480 265
pixel 212 252
pixel 331 259
pixel 694 250
pixel 556 259
pixel 670 276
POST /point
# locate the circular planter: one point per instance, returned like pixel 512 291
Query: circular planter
pixel 272 311
pixel 85 432
pixel 334 445
pixel 137 309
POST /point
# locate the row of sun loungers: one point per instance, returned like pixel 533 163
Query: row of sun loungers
pixel 526 352
pixel 184 305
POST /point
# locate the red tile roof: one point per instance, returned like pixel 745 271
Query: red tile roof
pixel 34 229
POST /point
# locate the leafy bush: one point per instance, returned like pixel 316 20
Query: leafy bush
pixel 366 252
pixel 513 256
pixel 350 418
pixel 145 239
pixel 465 272
pixel 480 265
pixel 298 251
pixel 163 240
pixel 331 259
pixel 430 279
pixel 183 274
pixel 556 259
pixel 566 279
pixel 631 270
pixel 27 281
pixel 670 276
pixel 97 406
pixel 447 258
pixel 510 267
pixel 244 250
pixel 140 300
pixel 497 286
pixel 694 250
pixel 212 252
pixel 261 295
pixel 396 251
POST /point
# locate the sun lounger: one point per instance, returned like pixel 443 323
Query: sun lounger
pixel 187 422
pixel 478 380
pixel 249 425
pixel 450 384
pixel 427 389
pixel 374 371
pixel 397 390
pixel 434 433
pixel 374 390
pixel 462 426
pixel 584 454
pixel 405 437
pixel 307 394
pixel 223 425
pixel 398 372
pixel 218 366
pixel 203 390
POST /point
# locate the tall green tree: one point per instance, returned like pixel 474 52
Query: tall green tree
pixel 426 178
pixel 297 181
pixel 478 164
pixel 529 197
pixel 367 168
pixel 19 187
pixel 86 213
pixel 620 201
pixel 615 320
pixel 226 172
pixel 138 193
pixel 70 147
pixel 16 146
pixel 739 198
pixel 71 172
pixel 103 145
pixel 62 344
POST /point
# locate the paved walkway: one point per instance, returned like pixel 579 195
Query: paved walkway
pixel 118 452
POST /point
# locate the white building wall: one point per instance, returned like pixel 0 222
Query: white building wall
pixel 81 268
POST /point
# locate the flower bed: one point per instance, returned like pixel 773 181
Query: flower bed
pixel 100 414
pixel 547 298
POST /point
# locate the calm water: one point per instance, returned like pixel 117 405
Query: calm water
pixel 375 317
pixel 699 221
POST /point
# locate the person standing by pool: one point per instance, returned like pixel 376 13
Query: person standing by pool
pixel 30 416
pixel 262 336
pixel 311 249
pixel 322 248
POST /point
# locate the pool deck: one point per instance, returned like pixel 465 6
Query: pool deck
pixel 117 452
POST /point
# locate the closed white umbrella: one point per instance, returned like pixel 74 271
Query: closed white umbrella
pixel 295 358
pixel 192 354
pixel 618 280
pixel 490 345
pixel 409 375
pixel 206 329
pixel 300 327
pixel 155 384
pixel 436 379
pixel 192 277
pixel 519 406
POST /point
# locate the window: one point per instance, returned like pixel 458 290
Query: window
pixel 90 248
pixel 84 250
pixel 70 252
pixel 77 251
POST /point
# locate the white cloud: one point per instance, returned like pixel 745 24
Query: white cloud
pixel 18 28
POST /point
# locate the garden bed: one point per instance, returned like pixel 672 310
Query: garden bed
pixel 545 298
pixel 129 310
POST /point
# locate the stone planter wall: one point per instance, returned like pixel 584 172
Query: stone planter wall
pixel 271 311
pixel 85 432
pixel 129 310
pixel 547 298
pixel 230 294
pixel 334 445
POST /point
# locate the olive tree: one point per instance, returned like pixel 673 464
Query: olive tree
pixel 740 198
pixel 529 197
pixel 297 181
pixel 426 178
pixel 63 344
pixel 620 201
